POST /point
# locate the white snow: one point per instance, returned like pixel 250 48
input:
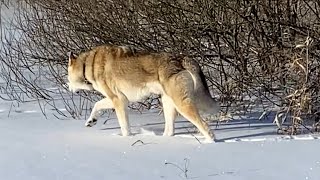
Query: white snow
pixel 33 147
pixel 36 148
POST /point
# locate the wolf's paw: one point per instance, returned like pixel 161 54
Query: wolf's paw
pixel 167 133
pixel 208 141
pixel 91 122
pixel 126 132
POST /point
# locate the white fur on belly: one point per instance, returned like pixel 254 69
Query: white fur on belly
pixel 138 93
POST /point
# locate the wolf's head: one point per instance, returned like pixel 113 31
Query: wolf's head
pixel 76 74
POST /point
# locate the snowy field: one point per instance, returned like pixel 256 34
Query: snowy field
pixel 33 147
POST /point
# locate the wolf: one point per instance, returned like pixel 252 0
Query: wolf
pixel 122 75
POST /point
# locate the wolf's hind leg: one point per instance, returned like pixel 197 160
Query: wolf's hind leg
pixel 190 112
pixel 105 103
pixel 170 114
pixel 181 89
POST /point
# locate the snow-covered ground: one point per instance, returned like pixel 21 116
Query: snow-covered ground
pixel 33 147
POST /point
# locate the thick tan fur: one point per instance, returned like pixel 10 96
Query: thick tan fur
pixel 123 75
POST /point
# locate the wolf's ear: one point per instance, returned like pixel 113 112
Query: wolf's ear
pixel 72 58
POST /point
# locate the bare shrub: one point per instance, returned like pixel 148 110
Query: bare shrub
pixel 266 51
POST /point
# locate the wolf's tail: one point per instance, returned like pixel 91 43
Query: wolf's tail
pixel 205 103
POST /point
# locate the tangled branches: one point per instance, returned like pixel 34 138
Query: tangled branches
pixel 265 50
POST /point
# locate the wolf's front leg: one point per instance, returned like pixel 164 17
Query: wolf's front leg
pixel 170 114
pixel 121 104
pixel 105 103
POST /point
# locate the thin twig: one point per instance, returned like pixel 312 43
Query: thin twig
pixel 138 141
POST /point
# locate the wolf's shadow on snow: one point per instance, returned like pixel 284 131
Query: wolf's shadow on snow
pixel 251 127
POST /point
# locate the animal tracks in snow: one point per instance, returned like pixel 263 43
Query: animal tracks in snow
pixel 235 140
pixel 264 139
pixel 281 138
